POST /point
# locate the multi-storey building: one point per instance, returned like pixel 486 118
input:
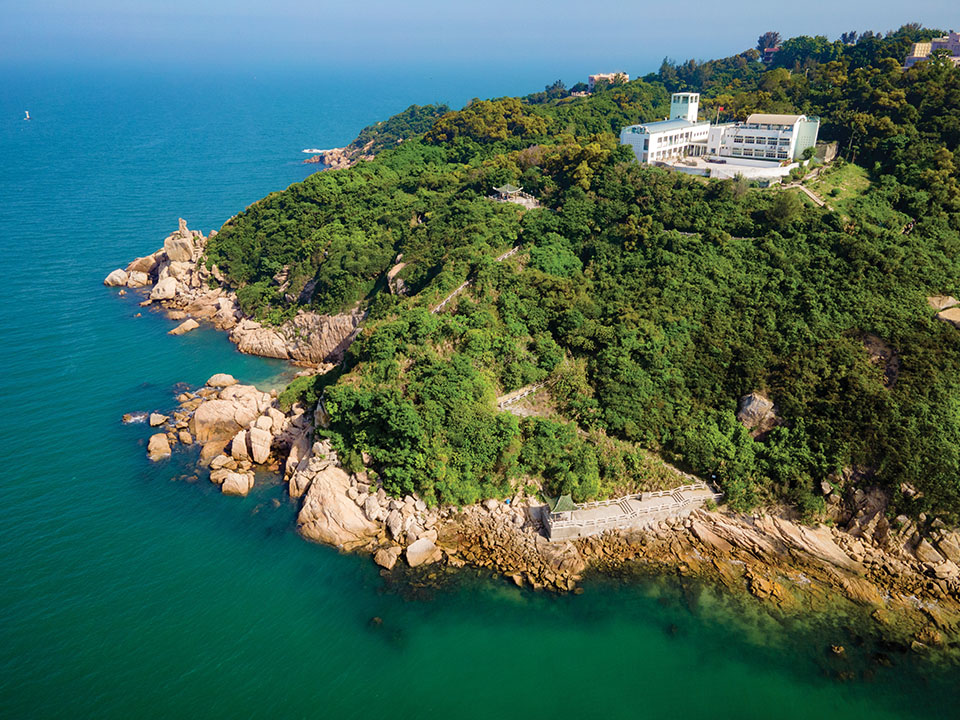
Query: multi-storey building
pixel 679 136
pixel 921 51
pixel 776 138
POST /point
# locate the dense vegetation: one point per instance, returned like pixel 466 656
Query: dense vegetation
pixel 653 301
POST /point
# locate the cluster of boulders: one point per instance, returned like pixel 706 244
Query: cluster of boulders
pixel 237 426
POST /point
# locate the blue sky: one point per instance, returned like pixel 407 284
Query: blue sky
pixel 561 34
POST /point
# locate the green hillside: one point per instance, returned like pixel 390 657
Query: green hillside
pixel 653 301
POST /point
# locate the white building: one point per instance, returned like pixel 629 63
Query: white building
pixel 770 138
pixel 681 135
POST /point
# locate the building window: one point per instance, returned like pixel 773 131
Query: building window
pixel 646 144
pixel 771 153
pixel 782 155
pixel 748 139
pixel 738 139
pixel 747 152
pixel 784 142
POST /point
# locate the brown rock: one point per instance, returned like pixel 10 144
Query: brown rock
pixel 158 447
pixel 422 552
pixel 185 327
pixel 237 484
pixel 185 437
pixel 156 419
pixel 330 517
pixel 387 557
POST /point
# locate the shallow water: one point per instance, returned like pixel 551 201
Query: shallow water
pixel 128 590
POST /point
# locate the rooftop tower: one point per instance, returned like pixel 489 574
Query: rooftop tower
pixel 684 106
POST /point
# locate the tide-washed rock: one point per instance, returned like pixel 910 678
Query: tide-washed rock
pixel 166 289
pixel 185 437
pixel 423 552
pixel 185 327
pixel 235 409
pixel 260 441
pixel 387 557
pixel 117 278
pixel 237 484
pixel 328 516
pixel 158 447
pixel 156 419
pixel 221 380
pixel 137 279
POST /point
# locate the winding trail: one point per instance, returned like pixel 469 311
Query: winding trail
pixel 467 283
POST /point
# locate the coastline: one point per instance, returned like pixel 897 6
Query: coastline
pixel 908 586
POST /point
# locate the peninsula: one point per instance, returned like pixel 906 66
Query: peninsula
pixel 480 372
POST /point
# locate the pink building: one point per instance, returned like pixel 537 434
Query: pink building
pixel 921 51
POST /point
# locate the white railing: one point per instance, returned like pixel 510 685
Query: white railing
pixel 679 502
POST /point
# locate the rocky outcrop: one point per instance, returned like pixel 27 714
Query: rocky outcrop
pixel 758 414
pixel 942 302
pixel 236 407
pixel 307 338
pixel 181 284
pixel 951 316
pixel 327 514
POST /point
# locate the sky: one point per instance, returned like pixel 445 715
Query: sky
pixel 633 36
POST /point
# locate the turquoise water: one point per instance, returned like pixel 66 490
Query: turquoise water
pixel 128 590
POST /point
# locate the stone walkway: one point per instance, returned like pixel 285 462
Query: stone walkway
pixel 632 511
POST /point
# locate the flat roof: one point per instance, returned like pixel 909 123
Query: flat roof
pixel 668 125
pixel 764 119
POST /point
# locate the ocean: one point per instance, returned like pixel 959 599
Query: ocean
pixel 130 589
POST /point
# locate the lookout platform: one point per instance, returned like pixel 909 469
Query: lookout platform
pixel 513 194
pixel 566 520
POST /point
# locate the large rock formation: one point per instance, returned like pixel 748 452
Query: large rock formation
pixel 758 414
pixel 308 337
pixel 328 515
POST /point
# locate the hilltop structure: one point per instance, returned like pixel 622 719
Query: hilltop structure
pixel 763 146
pixel 614 78
pixel 923 50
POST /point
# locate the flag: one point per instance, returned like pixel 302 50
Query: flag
pixel 720 109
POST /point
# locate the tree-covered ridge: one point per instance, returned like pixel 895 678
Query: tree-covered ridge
pixel 651 300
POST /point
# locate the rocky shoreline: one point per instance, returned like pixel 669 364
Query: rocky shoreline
pixel 903 575
pixel 907 585
pixel 175 278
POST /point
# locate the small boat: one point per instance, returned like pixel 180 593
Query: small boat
pixel 27 114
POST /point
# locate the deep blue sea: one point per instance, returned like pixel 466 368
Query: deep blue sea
pixel 126 590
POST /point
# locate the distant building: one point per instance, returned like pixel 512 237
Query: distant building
pixel 614 78
pixel 768 54
pixel 681 135
pixel 764 137
pixel 922 50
